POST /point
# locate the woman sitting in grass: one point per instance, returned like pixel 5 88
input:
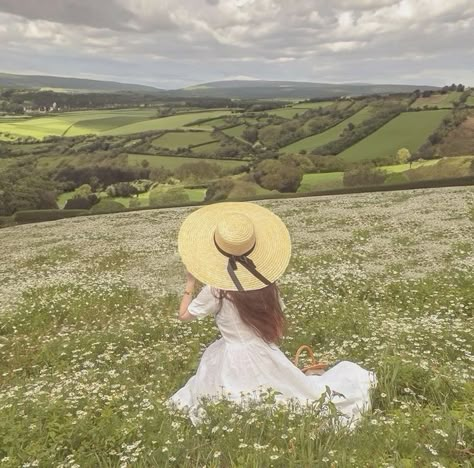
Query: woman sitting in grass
pixel 238 250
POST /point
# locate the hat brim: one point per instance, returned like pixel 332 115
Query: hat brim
pixel 199 254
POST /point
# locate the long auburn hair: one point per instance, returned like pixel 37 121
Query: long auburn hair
pixel 259 309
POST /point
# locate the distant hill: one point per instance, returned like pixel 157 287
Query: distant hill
pixel 292 89
pixel 56 83
pixel 239 89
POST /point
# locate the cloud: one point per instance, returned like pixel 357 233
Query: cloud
pixel 172 43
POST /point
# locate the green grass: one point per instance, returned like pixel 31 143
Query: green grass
pixel 470 100
pixel 440 100
pixel 321 181
pixel 172 162
pixel 286 112
pixel 235 132
pixel 107 122
pixel 312 105
pixel 207 148
pixel 90 347
pixel 175 140
pixel 313 141
pixel 166 123
pixel 408 130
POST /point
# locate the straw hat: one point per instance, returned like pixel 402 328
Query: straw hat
pixel 234 245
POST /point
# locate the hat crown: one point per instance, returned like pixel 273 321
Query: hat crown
pixel 235 234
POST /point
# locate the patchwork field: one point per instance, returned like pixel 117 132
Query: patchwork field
pixel 172 162
pixel 90 347
pixel 175 140
pixel 312 105
pixel 327 136
pixel 102 123
pixel 235 131
pixel 408 130
pixel 441 100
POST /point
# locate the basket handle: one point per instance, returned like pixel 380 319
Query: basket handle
pixel 310 353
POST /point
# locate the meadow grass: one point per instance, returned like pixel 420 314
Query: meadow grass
pixel 286 112
pixel 235 131
pixel 312 105
pixel 175 140
pixel 166 123
pixel 172 162
pixel 440 100
pixel 409 130
pixel 90 347
pixel 327 136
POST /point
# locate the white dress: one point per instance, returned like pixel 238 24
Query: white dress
pixel 241 361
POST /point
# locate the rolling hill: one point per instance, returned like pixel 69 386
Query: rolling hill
pixel 252 89
pixel 58 83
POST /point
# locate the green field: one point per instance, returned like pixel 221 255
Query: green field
pixel 175 140
pixel 118 122
pixel 314 141
pixel 439 100
pixel 165 123
pixel 91 349
pixel 235 132
pixel 470 100
pixel 333 180
pixel 312 105
pixel 172 162
pixel 207 148
pixel 286 112
pixel 408 130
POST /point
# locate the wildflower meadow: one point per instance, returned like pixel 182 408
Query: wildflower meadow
pixel 91 349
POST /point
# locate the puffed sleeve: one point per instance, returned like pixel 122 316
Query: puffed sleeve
pixel 205 303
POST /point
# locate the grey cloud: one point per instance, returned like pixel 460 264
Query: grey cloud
pixel 92 13
pixel 200 40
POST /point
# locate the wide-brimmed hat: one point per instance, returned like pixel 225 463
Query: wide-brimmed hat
pixel 236 246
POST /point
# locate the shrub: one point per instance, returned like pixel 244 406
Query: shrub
pixel 81 203
pixel 363 175
pixel 6 221
pixel 397 178
pixel 174 195
pixel 34 216
pixel 242 189
pixel 134 203
pixel 107 206
pixel 219 190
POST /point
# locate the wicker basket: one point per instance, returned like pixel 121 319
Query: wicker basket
pixel 315 368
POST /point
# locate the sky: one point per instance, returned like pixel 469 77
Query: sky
pixel 177 43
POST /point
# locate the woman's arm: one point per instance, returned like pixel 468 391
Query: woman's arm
pixel 183 314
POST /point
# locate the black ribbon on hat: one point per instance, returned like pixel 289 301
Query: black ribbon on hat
pixel 245 262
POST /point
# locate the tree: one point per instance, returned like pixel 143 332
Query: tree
pixel 171 196
pixel 250 134
pixel 272 174
pixel 219 190
pixel 403 155
pixel 363 176
pixel 83 191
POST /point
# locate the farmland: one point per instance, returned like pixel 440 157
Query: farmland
pixel 442 101
pixel 102 123
pixel 329 135
pixel 175 140
pixel 90 348
pixel 398 133
pixel 172 162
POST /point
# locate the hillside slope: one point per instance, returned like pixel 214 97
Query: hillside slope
pixel 8 80
pixel 91 349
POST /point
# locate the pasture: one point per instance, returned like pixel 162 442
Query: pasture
pixel 320 139
pixel 443 101
pixel 90 347
pixel 172 162
pixel 408 130
pixel 312 105
pixel 114 122
pixel 236 131
pixel 175 140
